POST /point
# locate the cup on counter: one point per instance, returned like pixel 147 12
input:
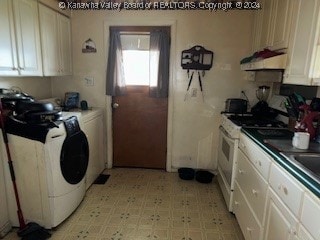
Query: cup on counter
pixel 301 140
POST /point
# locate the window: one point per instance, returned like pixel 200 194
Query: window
pixel 136 58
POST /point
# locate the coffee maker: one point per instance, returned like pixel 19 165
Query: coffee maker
pixel 261 108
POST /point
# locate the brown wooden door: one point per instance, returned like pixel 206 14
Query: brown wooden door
pixel 140 129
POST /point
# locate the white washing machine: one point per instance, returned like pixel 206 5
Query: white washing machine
pixel 50 173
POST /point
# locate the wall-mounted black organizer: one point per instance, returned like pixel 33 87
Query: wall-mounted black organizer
pixel 196 58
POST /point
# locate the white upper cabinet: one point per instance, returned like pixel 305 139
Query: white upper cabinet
pixel 56 42
pixel 20 51
pixel 303 52
pixel 65 45
pixel 272 25
pixel 266 21
pixel 281 22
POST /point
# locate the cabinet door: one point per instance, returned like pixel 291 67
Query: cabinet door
pixel 280 222
pixel 302 42
pixel 28 37
pixel 266 23
pixel 65 45
pixel 257 30
pixel 280 29
pixel 8 51
pixel 304 235
pixel 250 226
pixel 253 185
pixel 49 40
pixel 310 215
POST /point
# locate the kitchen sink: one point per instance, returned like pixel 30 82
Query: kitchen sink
pixel 285 145
pixel 306 162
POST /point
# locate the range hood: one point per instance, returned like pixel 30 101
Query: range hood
pixel 278 62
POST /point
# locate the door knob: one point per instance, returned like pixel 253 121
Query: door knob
pixel 115 105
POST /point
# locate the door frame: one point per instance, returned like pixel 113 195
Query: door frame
pixel 143 21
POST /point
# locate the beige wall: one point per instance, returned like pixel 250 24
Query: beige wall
pixel 194 122
pixel 37 87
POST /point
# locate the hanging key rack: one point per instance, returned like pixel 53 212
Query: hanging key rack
pixel 196 59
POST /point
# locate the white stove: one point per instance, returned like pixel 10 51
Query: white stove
pixel 230 129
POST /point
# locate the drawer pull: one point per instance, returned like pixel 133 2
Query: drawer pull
pixel 293 231
pixel 283 188
pixel 236 203
pixel 241 171
pixel 249 229
pixel 254 192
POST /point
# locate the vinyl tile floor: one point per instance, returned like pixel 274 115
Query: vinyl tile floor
pixel 143 204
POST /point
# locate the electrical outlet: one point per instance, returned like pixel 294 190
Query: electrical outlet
pixel 194 92
pixel 89 81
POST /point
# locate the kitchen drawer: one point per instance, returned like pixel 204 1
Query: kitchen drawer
pixel 252 185
pixel 248 223
pixel 310 215
pixel 287 188
pixel 256 155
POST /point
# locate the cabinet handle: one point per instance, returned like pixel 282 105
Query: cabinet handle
pixel 236 203
pixel 249 229
pixel 284 189
pixel 293 232
pixel 241 171
pixel 254 192
pixel 14 68
pixel 21 68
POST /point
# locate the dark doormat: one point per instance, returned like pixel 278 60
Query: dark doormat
pixel 101 179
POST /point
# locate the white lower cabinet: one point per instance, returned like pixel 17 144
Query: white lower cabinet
pixel 269 203
pixel 287 188
pixel 310 215
pixel 304 234
pixel 253 185
pixel 280 222
pixel 249 224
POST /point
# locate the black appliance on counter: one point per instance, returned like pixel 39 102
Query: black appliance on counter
pixel 236 105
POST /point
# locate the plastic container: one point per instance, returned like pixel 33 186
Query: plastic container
pixel 203 176
pixel 186 173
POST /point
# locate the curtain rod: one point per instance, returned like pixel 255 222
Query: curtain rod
pixel 135 33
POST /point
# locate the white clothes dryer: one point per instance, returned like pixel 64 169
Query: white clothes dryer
pixel 50 171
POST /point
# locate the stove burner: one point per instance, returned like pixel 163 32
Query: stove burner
pixel 251 121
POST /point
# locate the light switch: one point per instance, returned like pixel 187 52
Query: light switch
pixel 88 81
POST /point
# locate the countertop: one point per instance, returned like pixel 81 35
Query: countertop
pixel 282 161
